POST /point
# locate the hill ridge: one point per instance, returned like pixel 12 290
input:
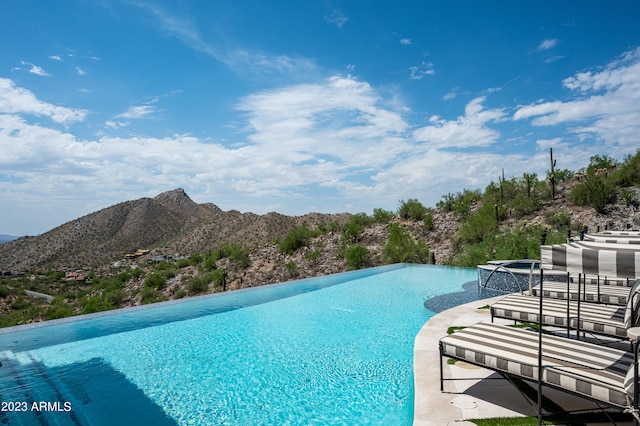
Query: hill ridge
pixel 171 220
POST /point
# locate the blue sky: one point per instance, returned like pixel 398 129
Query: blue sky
pixel 299 106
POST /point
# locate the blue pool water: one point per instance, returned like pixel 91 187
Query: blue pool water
pixel 327 351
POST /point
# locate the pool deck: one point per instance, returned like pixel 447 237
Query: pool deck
pixel 470 396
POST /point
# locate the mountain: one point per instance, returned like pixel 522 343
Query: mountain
pixel 170 223
pixel 6 238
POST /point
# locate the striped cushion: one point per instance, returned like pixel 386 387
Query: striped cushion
pixel 632 305
pixel 597 372
pixel 614 295
pixel 594 279
pixel 597 318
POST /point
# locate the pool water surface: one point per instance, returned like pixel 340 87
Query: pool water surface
pixel 340 354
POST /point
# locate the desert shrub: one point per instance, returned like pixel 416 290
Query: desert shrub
pixel 165 265
pixel 19 304
pixel 115 296
pixel 382 216
pixel 361 219
pixel 333 226
pixel 411 209
pixel 96 304
pixel 292 268
pixel 628 172
pixel 521 243
pixel 313 255
pixel 563 175
pixel 296 238
pixel 600 162
pixel 628 196
pixel 155 280
pixel 197 285
pixel 149 295
pixel 557 220
pixel 357 257
pixel 477 226
pixel 351 232
pixel 401 247
pixel 593 191
pixel 428 222
pixel 200 283
pixel 460 203
pixel 180 293
pixel 4 291
pixel 58 309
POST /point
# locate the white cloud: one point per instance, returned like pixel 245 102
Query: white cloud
pixel 450 95
pixel 135 112
pixel 55 58
pixel 80 71
pixel 337 18
pixel 606 104
pixel 419 71
pixel 547 44
pixel 405 41
pixel 16 100
pixel 33 69
pixel 470 130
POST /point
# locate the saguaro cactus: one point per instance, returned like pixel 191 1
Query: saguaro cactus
pixel 552 175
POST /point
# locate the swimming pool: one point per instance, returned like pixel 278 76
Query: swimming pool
pixel 330 350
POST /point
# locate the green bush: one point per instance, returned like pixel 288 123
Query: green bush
pixel 357 257
pixel 298 237
pixel 382 216
pixel 4 291
pixel 411 209
pixel 96 304
pixel 557 220
pixel 600 162
pixel 461 202
pixel 593 191
pixel 401 248
pixel 200 283
pixel 333 226
pixel 352 232
pixel 20 304
pixel 149 295
pixel 292 268
pixel 58 309
pixel 428 222
pixel 155 280
pixel 628 172
pixel 477 226
pixel 115 296
pixel 628 196
pixel 313 255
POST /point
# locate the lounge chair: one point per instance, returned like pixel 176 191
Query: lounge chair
pixel 599 373
pixel 608 320
pixel 609 291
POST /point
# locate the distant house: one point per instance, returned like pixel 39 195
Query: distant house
pixel 75 276
pixel 138 253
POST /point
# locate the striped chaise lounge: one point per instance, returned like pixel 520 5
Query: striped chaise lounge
pixel 583 258
pixel 608 320
pixel 613 291
pixel 599 373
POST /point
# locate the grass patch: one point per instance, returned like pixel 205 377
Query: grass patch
pixel 453 329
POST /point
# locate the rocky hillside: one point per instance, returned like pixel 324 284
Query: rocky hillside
pixel 170 222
